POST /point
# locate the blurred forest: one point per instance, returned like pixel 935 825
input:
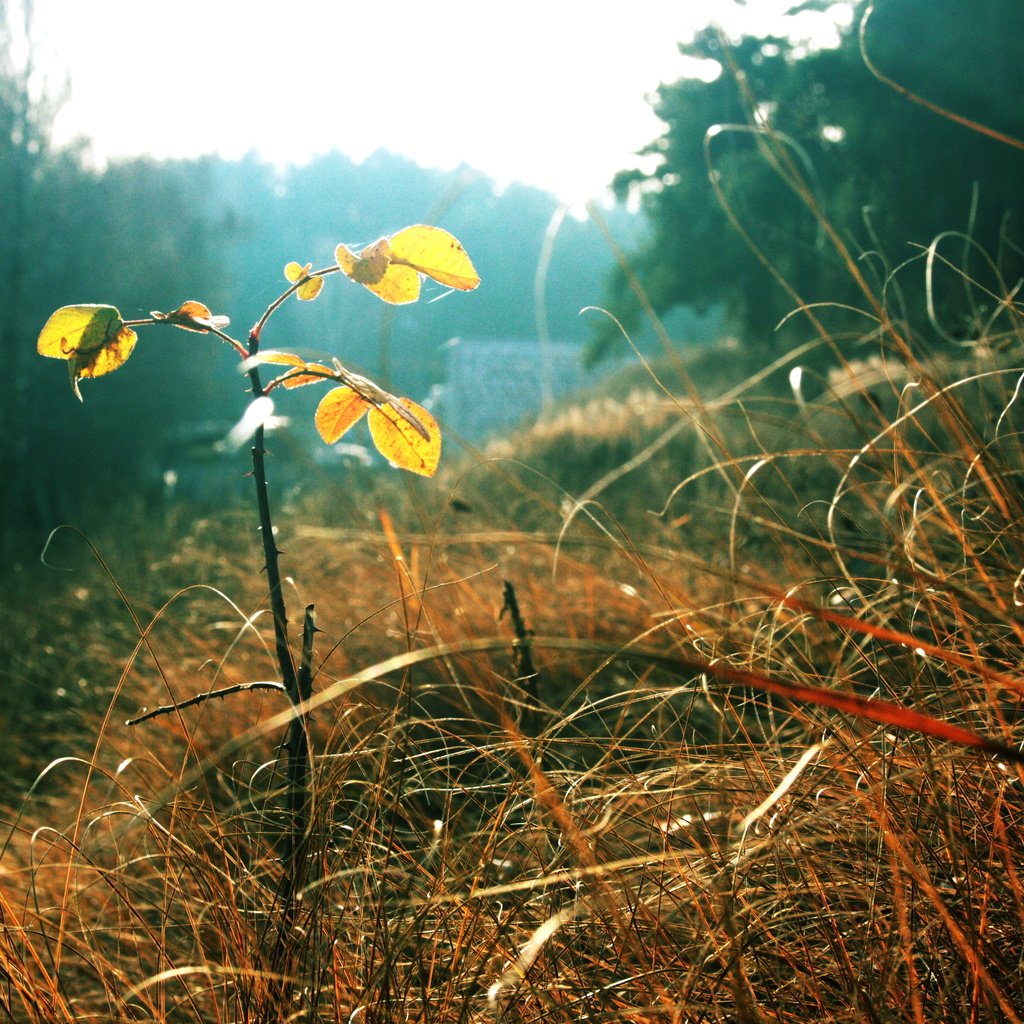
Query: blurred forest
pixel 144 235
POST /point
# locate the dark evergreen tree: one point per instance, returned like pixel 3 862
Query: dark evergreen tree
pixel 784 128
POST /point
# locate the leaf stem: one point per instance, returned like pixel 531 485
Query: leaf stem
pixel 283 297
pixel 150 321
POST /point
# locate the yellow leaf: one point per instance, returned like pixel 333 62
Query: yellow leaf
pixel 340 409
pixel 373 269
pixel 436 253
pixel 398 430
pixel 398 286
pixel 392 268
pixel 193 316
pixel 78 330
pixel 369 266
pixel 317 376
pixel 309 287
pixel 284 358
pixel 92 338
pixel 191 308
pixel 295 380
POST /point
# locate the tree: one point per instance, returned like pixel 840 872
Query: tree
pixel 805 127
pixel 25 118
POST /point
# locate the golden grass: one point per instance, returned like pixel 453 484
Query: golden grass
pixel 643 840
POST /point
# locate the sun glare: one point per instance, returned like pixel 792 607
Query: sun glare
pixel 554 95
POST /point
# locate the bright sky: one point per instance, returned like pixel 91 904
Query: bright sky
pixel 549 92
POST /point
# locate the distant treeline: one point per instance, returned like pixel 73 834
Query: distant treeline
pixel 145 235
pixel 794 165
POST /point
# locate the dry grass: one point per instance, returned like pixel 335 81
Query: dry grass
pixel 707 805
pixel 635 839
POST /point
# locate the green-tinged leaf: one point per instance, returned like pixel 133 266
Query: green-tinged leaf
pixel 338 411
pixel 92 338
pixel 309 287
pixel 407 435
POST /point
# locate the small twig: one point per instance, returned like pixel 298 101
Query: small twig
pixel 309 630
pixel 299 764
pixel 201 698
pixel 526 672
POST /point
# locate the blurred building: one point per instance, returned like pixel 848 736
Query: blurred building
pixel 492 385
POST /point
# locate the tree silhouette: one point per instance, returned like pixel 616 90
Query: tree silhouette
pixel 746 158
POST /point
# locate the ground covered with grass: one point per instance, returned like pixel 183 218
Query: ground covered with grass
pixel 637 802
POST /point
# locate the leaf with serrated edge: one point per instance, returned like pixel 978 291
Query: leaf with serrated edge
pixel 372 268
pixel 436 253
pixel 338 411
pixel 398 440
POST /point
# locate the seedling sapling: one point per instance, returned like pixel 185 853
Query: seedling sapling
pixel 95 340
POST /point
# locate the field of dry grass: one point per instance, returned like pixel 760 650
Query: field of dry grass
pixel 669 820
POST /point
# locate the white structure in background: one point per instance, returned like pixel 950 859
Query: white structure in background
pixel 493 385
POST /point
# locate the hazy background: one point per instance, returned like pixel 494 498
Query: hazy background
pixel 152 153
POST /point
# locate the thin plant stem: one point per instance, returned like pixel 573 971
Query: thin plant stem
pixel 297 744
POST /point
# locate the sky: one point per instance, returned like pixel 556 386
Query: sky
pixel 549 93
